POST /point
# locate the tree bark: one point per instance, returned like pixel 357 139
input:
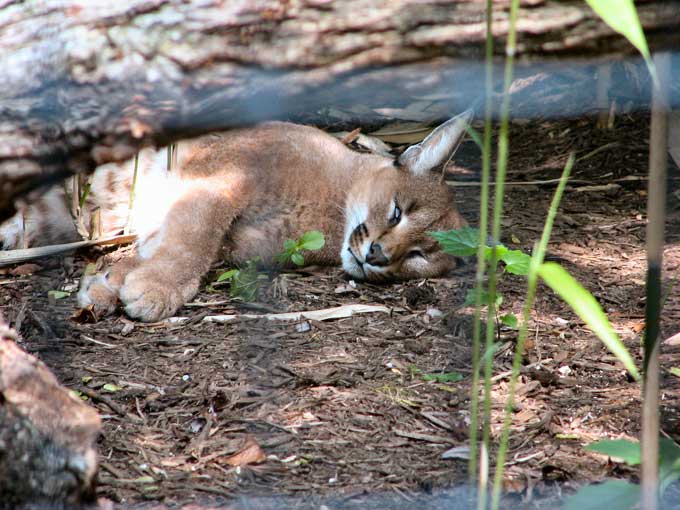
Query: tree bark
pixel 47 436
pixel 89 82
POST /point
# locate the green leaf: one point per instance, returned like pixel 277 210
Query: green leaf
pixel 605 496
pixel 669 462
pixel 675 371
pixel 459 243
pixel 627 451
pixel 510 320
pixel 312 240
pixel 57 294
pixel 622 17
pixel 414 370
pixel 297 259
pixel 79 395
pixel 227 275
pixel 144 480
pixel 567 436
pixel 111 388
pixel 289 245
pixel 470 298
pixel 244 283
pixel 516 262
pixel 500 252
pixel 474 134
pixel 86 379
pixel 588 309
pixel 489 353
pixel 448 377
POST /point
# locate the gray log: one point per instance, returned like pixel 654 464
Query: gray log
pixel 89 82
pixel 47 436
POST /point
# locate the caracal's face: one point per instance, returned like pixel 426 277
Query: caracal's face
pixel 388 217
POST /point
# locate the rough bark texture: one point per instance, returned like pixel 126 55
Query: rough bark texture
pixel 47 436
pixel 88 82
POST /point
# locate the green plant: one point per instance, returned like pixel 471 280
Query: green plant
pixel 620 493
pixel 588 309
pixel 465 242
pixel 443 378
pixel 582 302
pixel 244 282
pixel 622 16
pixel 292 249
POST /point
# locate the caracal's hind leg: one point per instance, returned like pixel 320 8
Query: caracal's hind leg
pixel 169 264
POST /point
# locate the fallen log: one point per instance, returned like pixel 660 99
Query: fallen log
pixel 85 83
pixel 47 435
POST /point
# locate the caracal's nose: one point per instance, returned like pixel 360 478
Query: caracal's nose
pixel 375 255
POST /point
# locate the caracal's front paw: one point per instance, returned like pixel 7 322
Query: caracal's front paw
pixel 96 289
pixel 150 298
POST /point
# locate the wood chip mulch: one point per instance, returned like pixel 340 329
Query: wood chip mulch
pixel 267 414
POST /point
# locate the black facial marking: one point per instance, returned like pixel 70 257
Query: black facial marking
pixel 414 253
pixel 360 231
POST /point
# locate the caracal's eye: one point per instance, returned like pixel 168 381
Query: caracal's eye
pixel 396 215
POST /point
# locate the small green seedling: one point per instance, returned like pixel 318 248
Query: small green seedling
pixel 510 320
pixel 292 249
pixel 464 242
pixel 244 281
pixel 448 377
pixel 57 294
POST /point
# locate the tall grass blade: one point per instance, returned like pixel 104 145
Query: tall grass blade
pixel 534 264
pixel 622 17
pixel 481 263
pixel 588 309
pixel 501 167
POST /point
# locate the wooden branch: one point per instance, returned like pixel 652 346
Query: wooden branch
pixel 89 82
pixel 47 435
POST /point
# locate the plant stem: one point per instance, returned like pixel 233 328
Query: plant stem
pixel 656 207
pixel 172 157
pixel 501 167
pixel 481 264
pixel 131 202
pixel 532 281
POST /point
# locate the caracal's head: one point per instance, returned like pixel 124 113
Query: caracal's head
pixel 391 209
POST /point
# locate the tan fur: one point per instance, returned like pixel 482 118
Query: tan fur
pixel 242 193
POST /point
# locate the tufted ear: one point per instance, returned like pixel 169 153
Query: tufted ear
pixel 437 147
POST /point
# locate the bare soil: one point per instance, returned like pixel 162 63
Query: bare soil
pixel 267 414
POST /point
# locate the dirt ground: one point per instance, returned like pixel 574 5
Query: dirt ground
pixel 269 414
